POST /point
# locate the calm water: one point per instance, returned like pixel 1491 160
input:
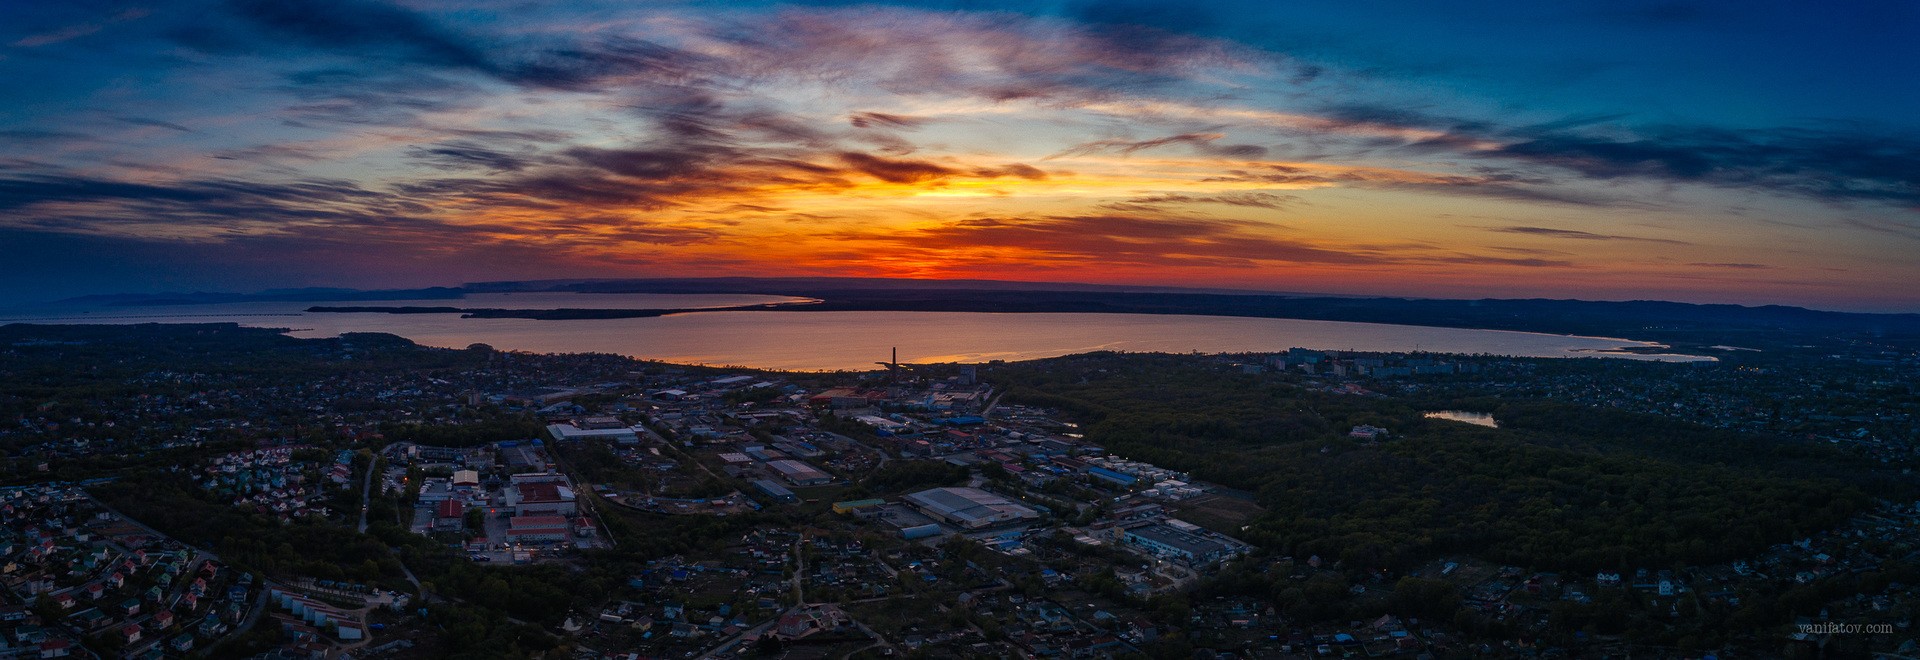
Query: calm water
pixel 1475 418
pixel 844 340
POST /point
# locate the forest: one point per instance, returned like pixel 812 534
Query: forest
pixel 1560 487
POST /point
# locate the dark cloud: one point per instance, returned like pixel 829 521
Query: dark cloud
pixel 363 27
pixel 1831 162
pixel 268 153
pixel 145 121
pixel 374 96
pixel 884 120
pixel 1578 235
pixel 1202 143
pixel 1483 260
pixel 204 208
pixel 1261 200
pixel 1487 183
pixel 663 164
pixel 594 64
pixel 1834 164
pixel 1734 266
pixel 25 191
pixel 1888 227
pixel 1020 170
pixel 27 135
pixel 462 155
pixel 895 170
pixel 1116 239
pixel 999 57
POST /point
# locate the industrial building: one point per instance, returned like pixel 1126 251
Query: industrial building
pixel 537 528
pixel 1171 542
pixel 851 506
pixel 1112 477
pixel 449 516
pixel 969 508
pixel 542 498
pixel 569 432
pixel 774 490
pixel 799 473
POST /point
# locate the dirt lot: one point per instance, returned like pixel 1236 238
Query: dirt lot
pixel 1217 512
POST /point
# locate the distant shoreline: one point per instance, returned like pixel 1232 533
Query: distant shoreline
pixel 1692 329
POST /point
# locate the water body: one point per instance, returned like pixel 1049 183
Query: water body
pixel 819 341
pixel 1475 418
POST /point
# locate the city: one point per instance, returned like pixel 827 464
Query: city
pixel 431 501
pixel 930 329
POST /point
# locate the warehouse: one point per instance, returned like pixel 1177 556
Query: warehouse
pixel 544 498
pixel 569 432
pixel 1168 541
pixel 775 490
pixel 800 474
pixel 970 508
pixel 1111 477
pixel 529 529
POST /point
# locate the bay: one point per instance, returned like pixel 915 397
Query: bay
pixel 824 341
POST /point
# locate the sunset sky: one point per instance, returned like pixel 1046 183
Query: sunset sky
pixel 1751 152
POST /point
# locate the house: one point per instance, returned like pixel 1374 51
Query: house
pixel 797 625
pixel 55 648
pixel 89 618
pixel 1367 432
pixel 162 620
pixel 131 632
pixel 1144 629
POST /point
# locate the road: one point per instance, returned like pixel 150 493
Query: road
pixel 586 498
pixel 799 572
pixel 366 492
pixel 253 617
pixel 259 607
pixel 754 632
pixel 799 598
pixel 856 443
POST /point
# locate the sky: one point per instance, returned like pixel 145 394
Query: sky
pixel 1755 152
